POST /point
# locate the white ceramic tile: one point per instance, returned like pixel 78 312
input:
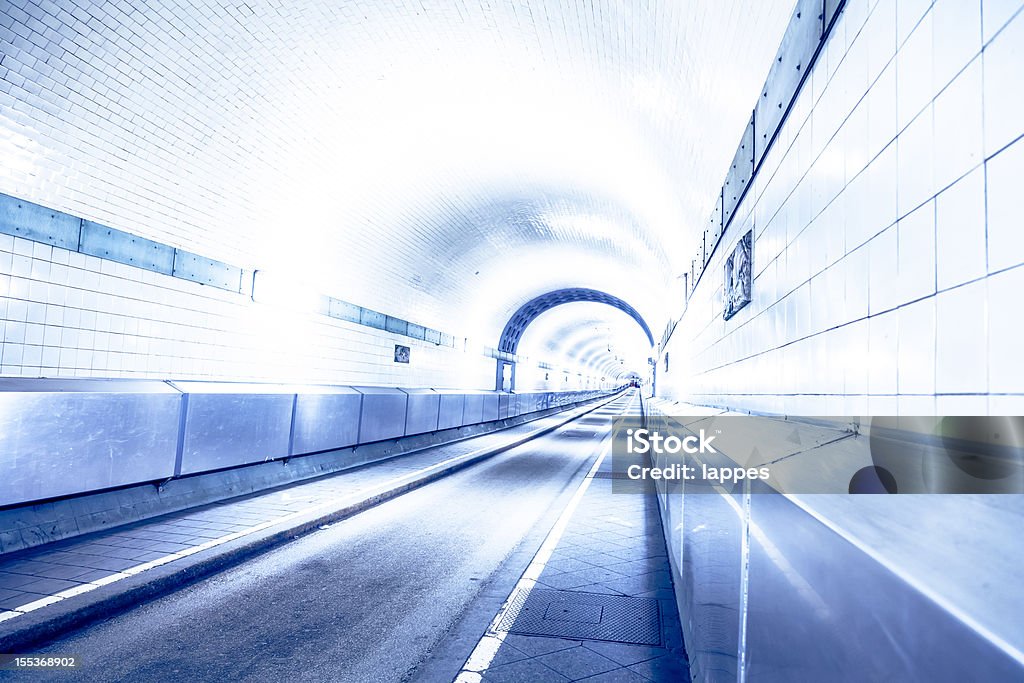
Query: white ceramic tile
pixel 916 366
pixel 1003 94
pixel 1006 332
pixel 961 359
pixel 883 335
pixel 962 405
pixel 956 39
pixel 916 237
pixel 958 126
pixel 908 17
pixel 883 273
pixel 1003 191
pixel 960 231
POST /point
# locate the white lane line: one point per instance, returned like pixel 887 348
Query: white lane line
pixel 485 650
pixel 354 497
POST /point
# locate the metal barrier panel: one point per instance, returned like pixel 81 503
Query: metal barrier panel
pixel 227 424
pixel 514 409
pixel 489 409
pixel 451 407
pixel 325 418
pixel 529 402
pixel 383 414
pixel 809 583
pixel 61 437
pixel 422 411
pixel 474 410
pixel 504 405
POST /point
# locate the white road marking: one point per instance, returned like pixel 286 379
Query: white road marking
pixel 485 650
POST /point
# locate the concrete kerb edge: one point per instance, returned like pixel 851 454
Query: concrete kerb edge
pixel 47 623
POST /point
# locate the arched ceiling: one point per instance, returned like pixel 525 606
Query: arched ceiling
pixel 441 161
pixel 592 338
pixel 533 308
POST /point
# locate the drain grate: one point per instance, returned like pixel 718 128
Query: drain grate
pixel 584 616
pixel 610 475
pixel 578 433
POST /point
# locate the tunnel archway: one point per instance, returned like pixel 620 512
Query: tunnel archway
pixel 508 343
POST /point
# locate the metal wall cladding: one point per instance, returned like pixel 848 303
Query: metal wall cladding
pixel 736 182
pixel 474 410
pixel 451 407
pixel 423 411
pixel 787 71
pixel 325 419
pixel 34 222
pixel 490 409
pixel 810 589
pixel 383 415
pixel 529 402
pixel 189 266
pixel 115 245
pixel 227 425
pixel 504 405
pixel 61 437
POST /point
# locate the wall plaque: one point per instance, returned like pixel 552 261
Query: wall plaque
pixel 738 273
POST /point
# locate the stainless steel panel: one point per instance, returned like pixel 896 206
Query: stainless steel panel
pixel 450 410
pixel 504 406
pixel 514 405
pixel 383 413
pixel 343 310
pixel 529 402
pixel 372 318
pixel 710 562
pixel 229 424
pixel 736 182
pixel 820 608
pixel 416 331
pixel 791 64
pixel 396 325
pixel 34 222
pixel 227 430
pixel 489 409
pixel 422 411
pixel 115 245
pixel 325 418
pixel 189 266
pixel 473 413
pixel 62 437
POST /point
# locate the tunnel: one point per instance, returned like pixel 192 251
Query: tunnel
pixel 481 341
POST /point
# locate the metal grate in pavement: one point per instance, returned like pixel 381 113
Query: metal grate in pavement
pixel 610 475
pixel 584 616
pixel 578 433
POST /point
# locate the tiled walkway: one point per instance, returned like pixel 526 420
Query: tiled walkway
pixel 35 578
pixel 611 545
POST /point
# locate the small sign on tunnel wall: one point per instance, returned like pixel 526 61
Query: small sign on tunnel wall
pixel 401 353
pixel 738 269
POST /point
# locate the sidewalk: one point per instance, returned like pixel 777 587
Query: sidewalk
pixel 52 588
pixel 597 602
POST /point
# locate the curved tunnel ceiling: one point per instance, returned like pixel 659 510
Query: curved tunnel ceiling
pixel 528 312
pixel 444 162
pixel 595 339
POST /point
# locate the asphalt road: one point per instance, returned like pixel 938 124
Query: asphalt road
pixel 369 599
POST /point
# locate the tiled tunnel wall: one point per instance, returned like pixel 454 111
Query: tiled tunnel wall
pixel 65 314
pixel 102 110
pixel 887 241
